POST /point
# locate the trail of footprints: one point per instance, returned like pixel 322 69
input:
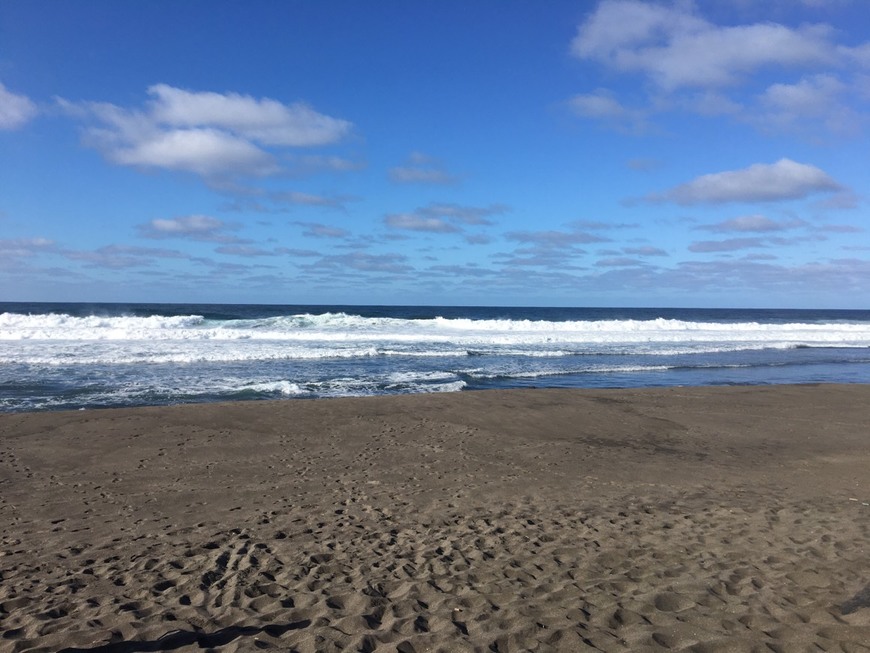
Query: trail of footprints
pixel 527 576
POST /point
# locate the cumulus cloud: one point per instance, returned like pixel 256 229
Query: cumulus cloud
pixel 675 47
pixel 15 110
pixel 811 95
pixel 819 98
pixel 191 227
pixel 265 120
pixel 206 152
pixel 760 182
pixel 210 134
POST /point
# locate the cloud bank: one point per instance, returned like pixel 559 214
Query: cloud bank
pixel 691 64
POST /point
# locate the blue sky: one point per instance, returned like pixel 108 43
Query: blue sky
pixel 613 153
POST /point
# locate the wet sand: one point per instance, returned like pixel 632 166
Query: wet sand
pixel 698 519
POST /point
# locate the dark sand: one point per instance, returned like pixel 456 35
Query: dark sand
pixel 699 519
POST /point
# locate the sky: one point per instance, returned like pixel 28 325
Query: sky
pixel 499 152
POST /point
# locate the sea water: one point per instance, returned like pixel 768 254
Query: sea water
pixel 68 356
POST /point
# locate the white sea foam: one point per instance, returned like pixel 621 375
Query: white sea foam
pixel 59 339
pixel 63 361
pixel 340 326
pixel 285 388
pixel 521 373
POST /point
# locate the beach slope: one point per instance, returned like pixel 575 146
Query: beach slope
pixel 698 519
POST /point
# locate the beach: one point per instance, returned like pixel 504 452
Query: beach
pixel 681 518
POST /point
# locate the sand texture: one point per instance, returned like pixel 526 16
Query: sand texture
pixel 693 519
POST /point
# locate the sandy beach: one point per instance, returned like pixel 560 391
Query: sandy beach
pixel 697 519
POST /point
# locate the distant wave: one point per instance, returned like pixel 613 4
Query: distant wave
pixel 337 328
pixel 74 356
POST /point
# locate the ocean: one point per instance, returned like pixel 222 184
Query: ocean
pixel 83 356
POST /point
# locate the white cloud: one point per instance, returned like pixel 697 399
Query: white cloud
pixel 859 54
pixel 646 250
pixel 691 64
pixel 363 262
pixel 417 222
pixel 818 97
pixel 247 251
pixel 309 199
pixel 760 182
pixel 210 134
pixel 555 239
pixel 422 169
pixel 601 105
pixel 444 218
pixel 844 200
pixel 206 152
pixel 842 229
pixel 191 227
pixel 475 215
pixel 753 223
pixel 118 257
pixel 317 230
pixel 593 225
pixel 266 121
pixel 24 247
pixel 312 163
pixel 478 239
pixel 619 262
pixel 811 95
pixel 712 103
pixel 407 175
pixel 676 48
pixel 729 245
pixel 15 110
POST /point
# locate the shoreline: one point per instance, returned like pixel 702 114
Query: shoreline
pixel 388 396
pixel 699 518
